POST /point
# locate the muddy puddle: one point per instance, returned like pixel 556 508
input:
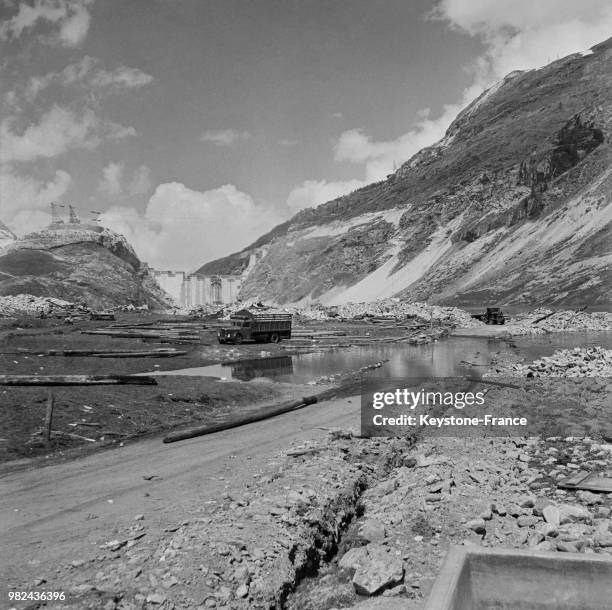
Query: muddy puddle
pixel 445 358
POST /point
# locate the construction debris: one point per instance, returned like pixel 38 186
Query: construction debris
pixel 29 305
pixel 390 310
pixel 577 362
pixel 544 320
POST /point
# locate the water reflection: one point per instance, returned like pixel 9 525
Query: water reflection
pixel 455 356
pixel 276 366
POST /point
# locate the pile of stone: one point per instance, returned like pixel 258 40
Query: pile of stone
pixel 577 362
pixel 499 493
pixel 532 322
pixel 30 305
pixel 392 309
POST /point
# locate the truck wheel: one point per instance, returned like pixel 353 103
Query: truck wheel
pixel 238 339
pixel 275 338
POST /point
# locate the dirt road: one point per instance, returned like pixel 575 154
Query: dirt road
pixel 49 516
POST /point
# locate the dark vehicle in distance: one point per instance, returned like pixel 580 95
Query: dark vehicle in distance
pixel 493 315
pixel 258 326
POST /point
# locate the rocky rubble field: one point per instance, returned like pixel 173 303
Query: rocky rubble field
pixel 577 362
pixel 344 521
pixel 560 321
pixel 29 305
pixel 494 493
pixel 392 308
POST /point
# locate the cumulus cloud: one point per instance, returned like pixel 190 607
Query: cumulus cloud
pixel 225 137
pixel 183 228
pixel 57 131
pixel 141 181
pixel 314 192
pixel 23 199
pixel 382 157
pixel 115 184
pixel 521 34
pixel 88 74
pixel 288 142
pixel 517 34
pixel 70 20
pixel 112 175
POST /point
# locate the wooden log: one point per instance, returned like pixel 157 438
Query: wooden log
pixel 161 351
pixel 64 380
pixel 75 436
pixel 142 354
pixel 241 420
pixel 548 315
pixel 141 335
pixel 141 324
pixel 319 333
pixel 49 416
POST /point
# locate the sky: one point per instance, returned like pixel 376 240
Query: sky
pixel 194 126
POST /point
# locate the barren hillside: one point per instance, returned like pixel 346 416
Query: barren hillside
pixel 513 206
pixel 78 263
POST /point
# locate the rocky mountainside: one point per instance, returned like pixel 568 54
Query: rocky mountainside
pixel 6 235
pixel 80 263
pixel 512 206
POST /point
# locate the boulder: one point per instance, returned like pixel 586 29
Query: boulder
pixel 372 531
pixel 381 569
pixel 353 559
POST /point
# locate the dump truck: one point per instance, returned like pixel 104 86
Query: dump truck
pixel 258 326
pixel 493 315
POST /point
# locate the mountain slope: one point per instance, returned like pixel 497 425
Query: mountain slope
pixel 6 235
pixel 78 263
pixel 513 205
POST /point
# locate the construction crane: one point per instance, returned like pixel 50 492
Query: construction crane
pixel 55 213
pixel 73 218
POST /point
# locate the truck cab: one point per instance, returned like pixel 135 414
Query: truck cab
pixel 493 315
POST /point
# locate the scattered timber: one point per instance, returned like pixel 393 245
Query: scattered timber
pixel 552 313
pixel 133 325
pixel 548 315
pixel 122 334
pixel 105 353
pixel 77 437
pixel 241 420
pixel 65 380
pixel 319 333
pixel 178 341
pixel 101 315
pixel 153 354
